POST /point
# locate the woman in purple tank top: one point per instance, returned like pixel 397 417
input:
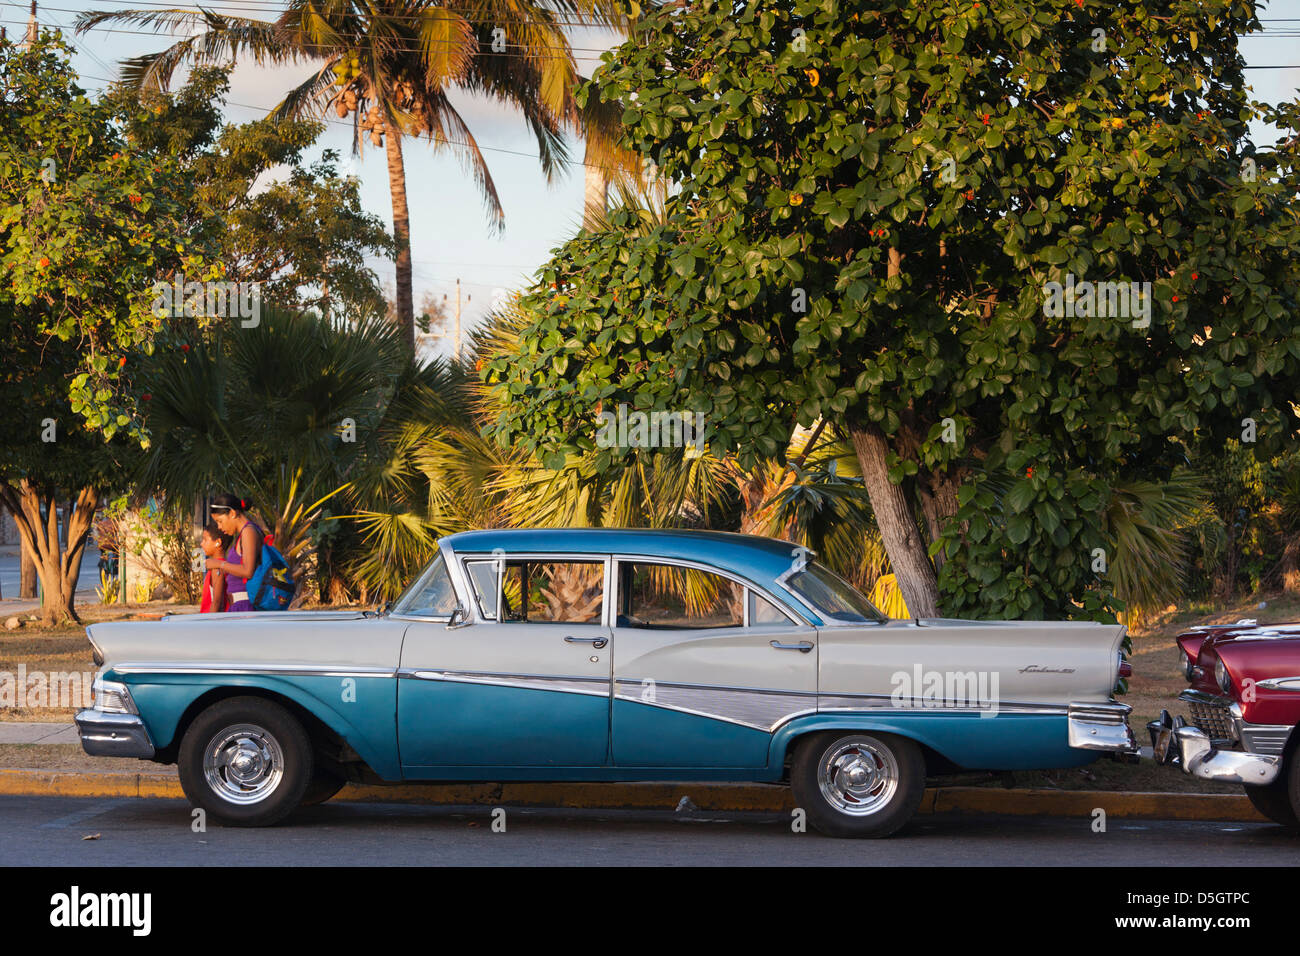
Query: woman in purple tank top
pixel 229 512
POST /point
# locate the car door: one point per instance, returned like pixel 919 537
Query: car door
pixel 524 684
pixel 705 667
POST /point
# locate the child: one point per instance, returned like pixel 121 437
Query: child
pixel 214 544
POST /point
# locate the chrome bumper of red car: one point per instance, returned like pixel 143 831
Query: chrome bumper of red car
pixel 1174 742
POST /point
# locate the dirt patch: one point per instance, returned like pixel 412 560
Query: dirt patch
pixel 71 757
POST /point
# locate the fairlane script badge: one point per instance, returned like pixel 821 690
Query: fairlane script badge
pixel 1036 669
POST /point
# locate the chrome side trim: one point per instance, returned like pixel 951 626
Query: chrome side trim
pixel 591 686
pixel 760 709
pixel 878 702
pixel 1280 683
pixel 279 670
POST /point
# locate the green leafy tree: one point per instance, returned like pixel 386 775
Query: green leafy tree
pixel 303 238
pixel 86 224
pixel 867 205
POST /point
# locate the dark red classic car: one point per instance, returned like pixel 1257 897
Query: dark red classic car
pixel 1244 704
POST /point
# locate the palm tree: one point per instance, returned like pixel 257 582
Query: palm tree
pixel 287 413
pixel 390 64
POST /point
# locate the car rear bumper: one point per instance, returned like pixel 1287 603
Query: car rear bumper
pixel 1192 749
pixel 113 735
pixel 1101 727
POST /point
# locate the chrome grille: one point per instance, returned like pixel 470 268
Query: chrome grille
pixel 1214 720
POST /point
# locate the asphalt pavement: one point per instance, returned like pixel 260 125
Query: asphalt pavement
pixel 47 831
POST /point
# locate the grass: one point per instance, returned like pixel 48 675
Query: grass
pixel 70 757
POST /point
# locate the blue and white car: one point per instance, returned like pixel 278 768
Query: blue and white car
pixel 604 655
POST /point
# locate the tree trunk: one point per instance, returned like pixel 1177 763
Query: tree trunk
pixel 56 567
pixel 595 194
pixel 1291 565
pixel 401 234
pixel 897 523
pixel 937 495
pixel 27 570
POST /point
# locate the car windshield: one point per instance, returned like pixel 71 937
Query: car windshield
pixel 432 594
pixel 828 593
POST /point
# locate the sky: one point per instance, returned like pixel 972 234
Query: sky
pixel 450 236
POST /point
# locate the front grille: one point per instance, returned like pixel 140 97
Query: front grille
pixel 1215 721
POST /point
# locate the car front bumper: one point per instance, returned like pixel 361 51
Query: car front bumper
pixel 1192 749
pixel 113 735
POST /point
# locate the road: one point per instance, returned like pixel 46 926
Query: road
pixel 50 831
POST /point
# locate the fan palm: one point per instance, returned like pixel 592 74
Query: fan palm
pixel 288 412
pixel 391 64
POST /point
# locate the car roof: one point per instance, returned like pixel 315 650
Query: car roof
pixel 760 559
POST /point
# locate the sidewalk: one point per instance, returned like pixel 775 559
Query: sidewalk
pixel 20 732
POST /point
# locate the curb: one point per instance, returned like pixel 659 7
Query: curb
pixel 665 796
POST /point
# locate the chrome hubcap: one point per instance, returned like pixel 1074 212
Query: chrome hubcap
pixel 858 776
pixel 243 764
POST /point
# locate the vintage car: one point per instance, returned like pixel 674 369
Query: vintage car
pixel 1244 702
pixel 605 655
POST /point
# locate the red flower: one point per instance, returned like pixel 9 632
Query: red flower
pixel 1175 298
pixel 121 363
pixel 136 197
pixel 986 118
pixel 185 348
pixel 1029 472
pixel 43 262
pixel 1195 275
pixel 147 396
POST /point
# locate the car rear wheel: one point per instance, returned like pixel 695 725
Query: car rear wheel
pixel 858 784
pixel 246 761
pixel 323 786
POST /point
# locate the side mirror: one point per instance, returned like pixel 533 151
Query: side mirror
pixel 459 617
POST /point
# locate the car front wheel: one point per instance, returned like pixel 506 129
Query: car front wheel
pixel 246 761
pixel 858 784
pixel 1274 802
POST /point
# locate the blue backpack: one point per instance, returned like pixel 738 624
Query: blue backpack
pixel 270 587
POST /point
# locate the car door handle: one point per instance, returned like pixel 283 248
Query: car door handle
pixel 593 641
pixel 804 646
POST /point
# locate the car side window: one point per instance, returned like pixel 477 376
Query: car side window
pixel 483 579
pixel 763 613
pixel 541 592
pixel 669 597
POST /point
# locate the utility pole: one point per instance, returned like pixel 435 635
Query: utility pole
pixel 455 342
pixel 32 29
